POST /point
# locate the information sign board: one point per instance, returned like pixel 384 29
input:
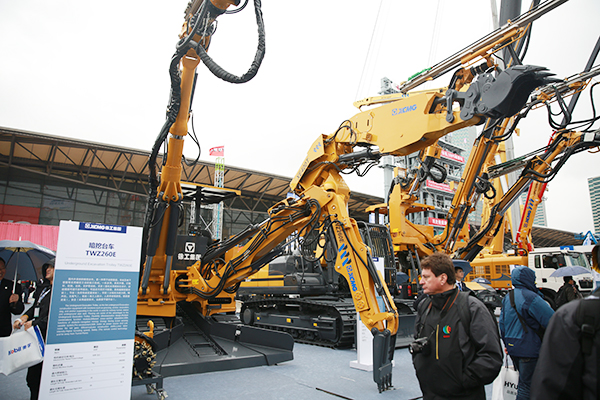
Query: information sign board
pixel 91 326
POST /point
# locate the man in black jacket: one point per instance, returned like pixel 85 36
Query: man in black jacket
pixel 37 315
pixel 10 303
pixel 457 349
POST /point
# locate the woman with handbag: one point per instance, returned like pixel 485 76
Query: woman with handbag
pixel 37 315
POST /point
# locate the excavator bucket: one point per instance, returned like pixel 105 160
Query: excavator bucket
pixel 383 354
pixel 406 322
pixel 506 94
pixel 512 88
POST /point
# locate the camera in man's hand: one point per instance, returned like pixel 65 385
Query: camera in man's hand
pixel 420 345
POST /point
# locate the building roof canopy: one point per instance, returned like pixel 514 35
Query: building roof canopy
pixel 81 160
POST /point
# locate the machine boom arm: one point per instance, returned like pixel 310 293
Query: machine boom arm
pixel 396 126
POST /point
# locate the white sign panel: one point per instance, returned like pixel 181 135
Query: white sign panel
pixel 364 338
pixel 91 326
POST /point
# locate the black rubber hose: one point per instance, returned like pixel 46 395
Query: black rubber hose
pixel 175 102
pixel 260 53
pixel 443 174
pixel 172 111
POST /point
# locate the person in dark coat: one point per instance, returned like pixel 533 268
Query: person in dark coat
pixel 10 303
pixel 461 351
pixel 568 368
pixel 521 325
pixel 567 292
pixel 25 288
pixel 37 315
pixel 563 372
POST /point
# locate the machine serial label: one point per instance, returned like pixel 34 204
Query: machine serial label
pixel 316 151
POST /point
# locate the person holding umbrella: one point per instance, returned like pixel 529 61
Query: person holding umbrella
pixel 567 292
pixel 37 315
pixel 10 301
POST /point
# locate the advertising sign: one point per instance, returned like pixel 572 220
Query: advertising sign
pixel 437 221
pixel 452 156
pixel 438 186
pixel 91 326
pixel 188 250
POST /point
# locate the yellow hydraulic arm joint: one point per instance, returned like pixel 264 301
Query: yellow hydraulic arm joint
pixel 539 168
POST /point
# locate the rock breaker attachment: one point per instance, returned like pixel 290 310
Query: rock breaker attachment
pixel 383 354
pixel 144 355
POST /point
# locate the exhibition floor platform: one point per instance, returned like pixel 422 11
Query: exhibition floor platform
pixel 314 373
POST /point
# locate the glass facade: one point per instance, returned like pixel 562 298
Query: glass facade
pixel 438 195
pixel 45 200
pixel 594 188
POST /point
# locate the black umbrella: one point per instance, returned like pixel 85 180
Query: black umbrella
pixel 24 259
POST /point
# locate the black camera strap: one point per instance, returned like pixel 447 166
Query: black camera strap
pixel 422 323
pixel 446 309
pixel 447 306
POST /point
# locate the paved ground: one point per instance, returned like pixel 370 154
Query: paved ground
pixel 314 373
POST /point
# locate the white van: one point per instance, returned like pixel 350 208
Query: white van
pixel 545 261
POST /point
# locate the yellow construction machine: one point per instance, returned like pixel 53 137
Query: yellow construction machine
pixel 485 251
pixel 178 306
pixel 292 293
pixel 480 180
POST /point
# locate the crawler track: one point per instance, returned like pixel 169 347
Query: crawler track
pixel 322 321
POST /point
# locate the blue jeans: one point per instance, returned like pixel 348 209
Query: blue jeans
pixel 525 366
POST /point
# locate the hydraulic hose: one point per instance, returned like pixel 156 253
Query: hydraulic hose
pixel 172 111
pixel 221 73
pixel 175 100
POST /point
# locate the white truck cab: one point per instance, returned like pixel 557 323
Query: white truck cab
pixel 545 261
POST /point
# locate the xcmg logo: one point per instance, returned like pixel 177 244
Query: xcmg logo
pixel 403 110
pixel 317 147
pixel 348 265
pixel 530 205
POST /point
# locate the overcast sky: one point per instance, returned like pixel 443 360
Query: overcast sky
pixel 98 71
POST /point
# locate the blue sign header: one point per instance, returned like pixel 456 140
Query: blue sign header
pixel 89 226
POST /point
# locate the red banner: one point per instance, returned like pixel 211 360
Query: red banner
pixel 437 221
pixel 217 151
pixel 452 156
pixel 10 213
pixel 439 186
